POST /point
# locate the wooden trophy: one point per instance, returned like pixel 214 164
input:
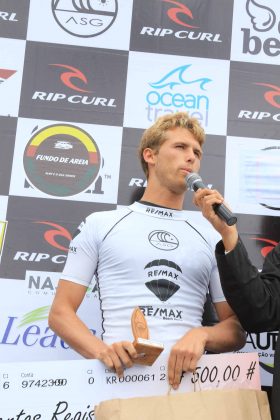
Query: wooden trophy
pixel 147 350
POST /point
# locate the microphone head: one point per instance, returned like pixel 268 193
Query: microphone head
pixel 192 179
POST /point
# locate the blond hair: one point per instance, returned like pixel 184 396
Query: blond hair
pixel 154 136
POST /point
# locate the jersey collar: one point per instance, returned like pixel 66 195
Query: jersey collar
pixel 159 212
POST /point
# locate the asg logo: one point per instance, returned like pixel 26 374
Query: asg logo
pixel 180 15
pixel 263 20
pixel 85 18
pixel 173 91
pixel 74 79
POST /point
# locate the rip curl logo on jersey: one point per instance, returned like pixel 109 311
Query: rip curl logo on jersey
pixel 85 18
pixel 162 272
pixel 179 89
pixel 61 160
pixel 163 240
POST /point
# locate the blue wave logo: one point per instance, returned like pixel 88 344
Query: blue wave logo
pixel 178 77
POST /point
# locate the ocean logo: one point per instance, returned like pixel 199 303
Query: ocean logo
pixel 176 77
pixel 165 271
pixel 262 17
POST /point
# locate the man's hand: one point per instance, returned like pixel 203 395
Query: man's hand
pixel 117 356
pixel 185 354
pixel 206 199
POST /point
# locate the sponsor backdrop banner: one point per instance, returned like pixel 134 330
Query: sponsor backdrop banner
pixel 79 82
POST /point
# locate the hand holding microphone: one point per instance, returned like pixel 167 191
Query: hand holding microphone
pixel 194 182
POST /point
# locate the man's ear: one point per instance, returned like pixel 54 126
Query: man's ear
pixel 149 155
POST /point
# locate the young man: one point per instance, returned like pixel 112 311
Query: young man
pixel 254 296
pixel 149 255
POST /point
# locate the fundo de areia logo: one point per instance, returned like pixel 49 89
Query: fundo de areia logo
pixel 61 160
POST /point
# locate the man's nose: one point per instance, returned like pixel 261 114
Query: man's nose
pixel 190 156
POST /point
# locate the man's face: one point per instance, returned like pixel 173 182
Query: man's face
pixel 178 156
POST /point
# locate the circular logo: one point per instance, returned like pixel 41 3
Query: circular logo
pixel 163 240
pixel 61 160
pixel 85 18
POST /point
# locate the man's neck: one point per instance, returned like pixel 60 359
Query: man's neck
pixel 171 201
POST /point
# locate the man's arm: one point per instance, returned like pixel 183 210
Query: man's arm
pixel 226 335
pixel 64 321
pixel 254 296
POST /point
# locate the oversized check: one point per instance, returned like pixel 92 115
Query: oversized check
pixel 69 390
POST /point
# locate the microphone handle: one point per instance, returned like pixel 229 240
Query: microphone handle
pixel 224 213
pixel 220 209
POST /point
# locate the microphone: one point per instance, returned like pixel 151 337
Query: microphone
pixel 194 182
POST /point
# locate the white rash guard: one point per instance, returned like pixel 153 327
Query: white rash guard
pixel 151 257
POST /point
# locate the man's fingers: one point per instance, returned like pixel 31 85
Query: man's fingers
pixel 126 352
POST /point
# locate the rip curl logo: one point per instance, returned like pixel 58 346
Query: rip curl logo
pixel 272 94
pixel 85 18
pixel 262 17
pixel 163 240
pixel 56 232
pixel 5 74
pixel 179 13
pixel 266 249
pixel 70 77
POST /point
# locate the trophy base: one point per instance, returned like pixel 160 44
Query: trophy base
pixel 148 351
